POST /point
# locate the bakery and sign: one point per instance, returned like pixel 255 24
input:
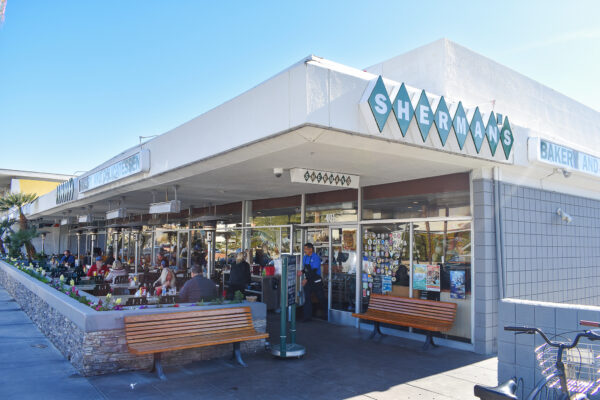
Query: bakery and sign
pixel 454 130
pixel 547 152
pixel 131 165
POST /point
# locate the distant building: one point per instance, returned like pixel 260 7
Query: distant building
pixel 40 183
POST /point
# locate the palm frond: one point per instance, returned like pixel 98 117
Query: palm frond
pixel 11 200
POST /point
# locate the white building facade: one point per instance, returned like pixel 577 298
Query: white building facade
pixel 436 163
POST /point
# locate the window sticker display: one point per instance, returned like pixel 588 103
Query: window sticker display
pixel 433 278
pixel 382 252
pixel 457 285
pixel 420 276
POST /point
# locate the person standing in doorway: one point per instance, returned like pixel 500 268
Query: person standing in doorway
pixel 313 281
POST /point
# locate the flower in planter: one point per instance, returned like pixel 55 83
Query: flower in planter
pixel 175 305
pixel 62 278
pixel 118 301
pixel 72 283
pixel 108 296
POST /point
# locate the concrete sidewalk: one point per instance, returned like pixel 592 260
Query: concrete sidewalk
pixel 31 367
pixel 340 364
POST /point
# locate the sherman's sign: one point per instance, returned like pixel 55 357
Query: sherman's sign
pixel 425 119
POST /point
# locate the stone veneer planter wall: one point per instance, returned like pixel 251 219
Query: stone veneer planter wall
pixel 94 341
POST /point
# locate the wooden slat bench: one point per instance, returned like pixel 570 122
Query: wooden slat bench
pixel 429 315
pixel 158 333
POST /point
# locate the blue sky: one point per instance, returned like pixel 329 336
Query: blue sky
pixel 81 80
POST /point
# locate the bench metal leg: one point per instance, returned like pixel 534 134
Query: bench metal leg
pixel 429 341
pixel 376 330
pixel 157 366
pixel 238 355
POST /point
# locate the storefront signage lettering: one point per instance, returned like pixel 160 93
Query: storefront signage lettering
pixel 65 192
pixel 328 178
pixel 133 164
pixel 547 152
pixel 496 132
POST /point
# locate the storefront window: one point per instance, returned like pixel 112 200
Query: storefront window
pixel 441 265
pixel 332 207
pixel 125 253
pixel 227 245
pixel 146 248
pixel 224 215
pixel 165 244
pixel 444 196
pixel 442 255
pixel 199 249
pixel 101 242
pixel 279 211
pixel 183 258
pixel 266 245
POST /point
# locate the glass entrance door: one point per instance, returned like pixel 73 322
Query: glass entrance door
pixel 343 264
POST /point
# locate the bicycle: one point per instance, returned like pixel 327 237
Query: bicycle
pixel 557 360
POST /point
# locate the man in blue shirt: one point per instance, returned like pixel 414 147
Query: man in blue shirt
pixel 313 281
pixel 67 259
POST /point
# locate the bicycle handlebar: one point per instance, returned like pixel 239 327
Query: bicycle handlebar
pixel 591 335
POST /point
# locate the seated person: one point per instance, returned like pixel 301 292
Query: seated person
pixel 167 279
pixel 99 268
pixel 67 259
pixel 198 288
pixel 117 270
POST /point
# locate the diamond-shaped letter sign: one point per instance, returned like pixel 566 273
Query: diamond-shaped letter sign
pixel 380 104
pixel 506 136
pixel 424 115
pixel 460 125
pixel 443 121
pixel 477 129
pixel 492 133
pixel 403 109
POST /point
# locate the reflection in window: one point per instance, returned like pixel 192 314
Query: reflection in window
pixel 279 211
pixel 414 199
pixel 443 250
pixel 332 207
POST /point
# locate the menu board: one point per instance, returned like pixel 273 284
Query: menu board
pixel 291 280
pixel 377 284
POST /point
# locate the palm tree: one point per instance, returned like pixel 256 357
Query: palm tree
pixel 5 227
pixel 18 200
